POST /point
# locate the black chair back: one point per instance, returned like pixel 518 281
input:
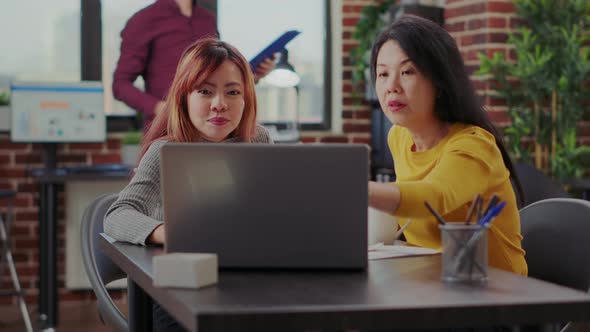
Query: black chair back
pixel 99 268
pixel 556 238
pixel 536 185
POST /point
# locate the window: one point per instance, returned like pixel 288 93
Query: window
pixel 56 48
pixel 252 25
pixel 47 45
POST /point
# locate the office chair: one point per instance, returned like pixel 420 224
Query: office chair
pixel 6 254
pixel 553 229
pixel 99 268
pixel 536 185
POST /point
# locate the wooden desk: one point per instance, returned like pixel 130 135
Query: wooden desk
pixel 392 294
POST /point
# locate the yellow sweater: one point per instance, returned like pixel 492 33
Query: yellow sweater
pixel 467 161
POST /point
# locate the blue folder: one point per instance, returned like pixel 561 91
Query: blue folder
pixel 274 47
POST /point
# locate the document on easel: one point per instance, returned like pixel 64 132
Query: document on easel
pixel 276 46
pixel 381 251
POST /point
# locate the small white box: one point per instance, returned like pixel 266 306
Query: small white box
pixel 185 270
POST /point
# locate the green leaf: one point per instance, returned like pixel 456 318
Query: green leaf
pixel 552 54
pixel 373 20
pixel 132 137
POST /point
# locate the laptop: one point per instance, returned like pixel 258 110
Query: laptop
pixel 286 206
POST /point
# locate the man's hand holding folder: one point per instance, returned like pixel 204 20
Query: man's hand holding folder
pixel 260 62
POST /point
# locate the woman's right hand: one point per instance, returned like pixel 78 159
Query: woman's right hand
pixel 157 236
pixel 384 196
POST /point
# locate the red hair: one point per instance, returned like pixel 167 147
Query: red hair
pixel 197 63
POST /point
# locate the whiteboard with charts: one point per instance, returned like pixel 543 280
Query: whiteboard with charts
pixel 57 112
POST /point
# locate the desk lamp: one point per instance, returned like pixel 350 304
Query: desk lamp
pixel 284 74
pixel 285 81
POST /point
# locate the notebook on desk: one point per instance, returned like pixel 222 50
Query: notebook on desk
pixel 267 206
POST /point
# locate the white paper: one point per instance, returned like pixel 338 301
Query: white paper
pixel 381 251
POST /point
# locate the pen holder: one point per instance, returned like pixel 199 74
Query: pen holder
pixel 464 253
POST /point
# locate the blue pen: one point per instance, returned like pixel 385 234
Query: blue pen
pixel 493 212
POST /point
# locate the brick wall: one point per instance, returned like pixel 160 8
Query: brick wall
pixel 482 26
pixel 15 161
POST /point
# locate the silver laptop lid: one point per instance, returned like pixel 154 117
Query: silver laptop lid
pixel 268 206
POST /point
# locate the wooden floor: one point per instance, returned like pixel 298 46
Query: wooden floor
pixel 73 317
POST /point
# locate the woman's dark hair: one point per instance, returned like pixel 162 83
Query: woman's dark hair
pixel 432 49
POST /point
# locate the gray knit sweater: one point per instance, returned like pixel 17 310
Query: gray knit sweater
pixel 138 210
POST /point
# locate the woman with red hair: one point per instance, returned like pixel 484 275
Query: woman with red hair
pixel 211 99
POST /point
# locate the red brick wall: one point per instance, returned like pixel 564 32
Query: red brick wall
pixel 482 26
pixel 15 161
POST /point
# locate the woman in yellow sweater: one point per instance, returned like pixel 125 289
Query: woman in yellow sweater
pixel 444 146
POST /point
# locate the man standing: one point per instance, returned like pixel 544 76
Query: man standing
pixel 152 42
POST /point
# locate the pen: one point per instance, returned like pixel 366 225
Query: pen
pixel 479 205
pixel 401 230
pixel 472 208
pixel 467 222
pixel 492 214
pixel 493 201
pixel 434 213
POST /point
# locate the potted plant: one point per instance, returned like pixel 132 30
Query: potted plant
pixel 372 21
pixel 4 98
pixel 4 110
pixel 130 147
pixel 546 85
